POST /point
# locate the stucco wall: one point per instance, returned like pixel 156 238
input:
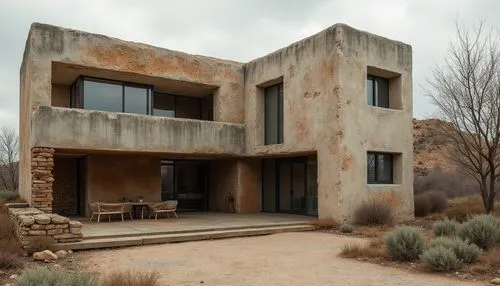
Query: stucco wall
pixel 96 130
pixel 60 95
pixel 325 110
pixel 110 178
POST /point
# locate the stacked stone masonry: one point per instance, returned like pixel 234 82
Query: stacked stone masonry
pixel 42 179
pixel 31 224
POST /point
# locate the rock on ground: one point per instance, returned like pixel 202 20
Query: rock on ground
pixel 61 253
pixel 44 255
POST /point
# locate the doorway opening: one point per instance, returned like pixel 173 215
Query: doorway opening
pixel 289 185
pixel 187 182
pixel 69 185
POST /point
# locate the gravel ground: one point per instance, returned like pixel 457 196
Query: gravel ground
pixel 306 258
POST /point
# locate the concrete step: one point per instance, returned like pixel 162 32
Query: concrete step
pixel 195 230
pixel 178 237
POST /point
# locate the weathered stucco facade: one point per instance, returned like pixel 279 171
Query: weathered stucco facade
pixel 325 114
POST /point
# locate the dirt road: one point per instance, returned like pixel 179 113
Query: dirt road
pixel 307 258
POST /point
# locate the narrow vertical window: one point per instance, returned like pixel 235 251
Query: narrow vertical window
pixel 377 91
pixel 273 114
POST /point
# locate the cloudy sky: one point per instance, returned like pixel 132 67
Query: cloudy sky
pixel 238 30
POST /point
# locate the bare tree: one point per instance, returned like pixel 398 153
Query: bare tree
pixel 9 155
pixel 466 88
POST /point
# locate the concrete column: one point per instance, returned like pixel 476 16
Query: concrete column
pixel 42 179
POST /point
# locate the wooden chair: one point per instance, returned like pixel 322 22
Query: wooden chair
pixel 163 207
pixel 107 209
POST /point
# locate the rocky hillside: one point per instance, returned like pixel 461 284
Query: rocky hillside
pixel 430 149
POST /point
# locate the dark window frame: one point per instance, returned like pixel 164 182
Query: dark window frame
pixel 279 114
pixel 376 180
pixel 375 91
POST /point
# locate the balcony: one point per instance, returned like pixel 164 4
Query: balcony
pixel 80 129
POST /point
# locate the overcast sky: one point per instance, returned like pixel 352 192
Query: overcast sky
pixel 238 30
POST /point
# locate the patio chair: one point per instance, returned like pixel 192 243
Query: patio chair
pixel 128 209
pixel 163 207
pixel 107 209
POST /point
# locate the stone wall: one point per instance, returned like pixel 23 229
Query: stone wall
pixel 31 223
pixel 42 179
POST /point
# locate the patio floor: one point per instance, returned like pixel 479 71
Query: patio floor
pixel 188 223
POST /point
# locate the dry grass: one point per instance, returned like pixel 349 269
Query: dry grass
pixel 8 240
pixel 374 249
pixel 488 263
pixel 10 260
pixel 326 224
pixel 460 208
pixel 131 278
pixel 373 231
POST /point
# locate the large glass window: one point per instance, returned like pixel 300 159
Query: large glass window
pixel 102 96
pixel 379 168
pixel 164 105
pixel 377 91
pixel 97 94
pixel 136 100
pixel 273 114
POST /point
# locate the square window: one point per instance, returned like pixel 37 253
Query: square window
pixel 380 168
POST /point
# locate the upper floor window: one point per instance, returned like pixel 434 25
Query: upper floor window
pixel 273 114
pixel 97 94
pixel 115 96
pixel 380 168
pixel 377 91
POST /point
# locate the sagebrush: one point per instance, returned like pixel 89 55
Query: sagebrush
pixel 482 230
pixel 440 258
pixel 405 243
pixel 464 251
pixel 7 196
pixel 45 276
pixel 446 227
pixel 373 212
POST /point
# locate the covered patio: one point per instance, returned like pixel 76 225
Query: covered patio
pixel 189 227
pixel 188 223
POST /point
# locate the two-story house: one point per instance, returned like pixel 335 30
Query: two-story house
pixel 314 128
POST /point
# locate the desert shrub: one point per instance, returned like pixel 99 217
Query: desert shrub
pixel 45 276
pixel 405 243
pixel 438 201
pixel 131 278
pixel 430 202
pixel 346 228
pixel 450 183
pixel 482 230
pixel 446 227
pixel 465 252
pixel 440 258
pixel 422 205
pixel 326 224
pixel 8 195
pixel 9 260
pixel 356 250
pixel 40 244
pixel 373 212
pixel 7 227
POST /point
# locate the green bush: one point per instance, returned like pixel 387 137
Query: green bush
pixel 465 252
pixel 8 195
pixel 446 227
pixel 440 258
pixel 45 276
pixel 373 212
pixel 482 230
pixel 405 243
pixel 346 228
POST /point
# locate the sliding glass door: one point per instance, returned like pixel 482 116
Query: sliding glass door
pixel 289 185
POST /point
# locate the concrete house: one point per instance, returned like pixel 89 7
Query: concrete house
pixel 314 128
